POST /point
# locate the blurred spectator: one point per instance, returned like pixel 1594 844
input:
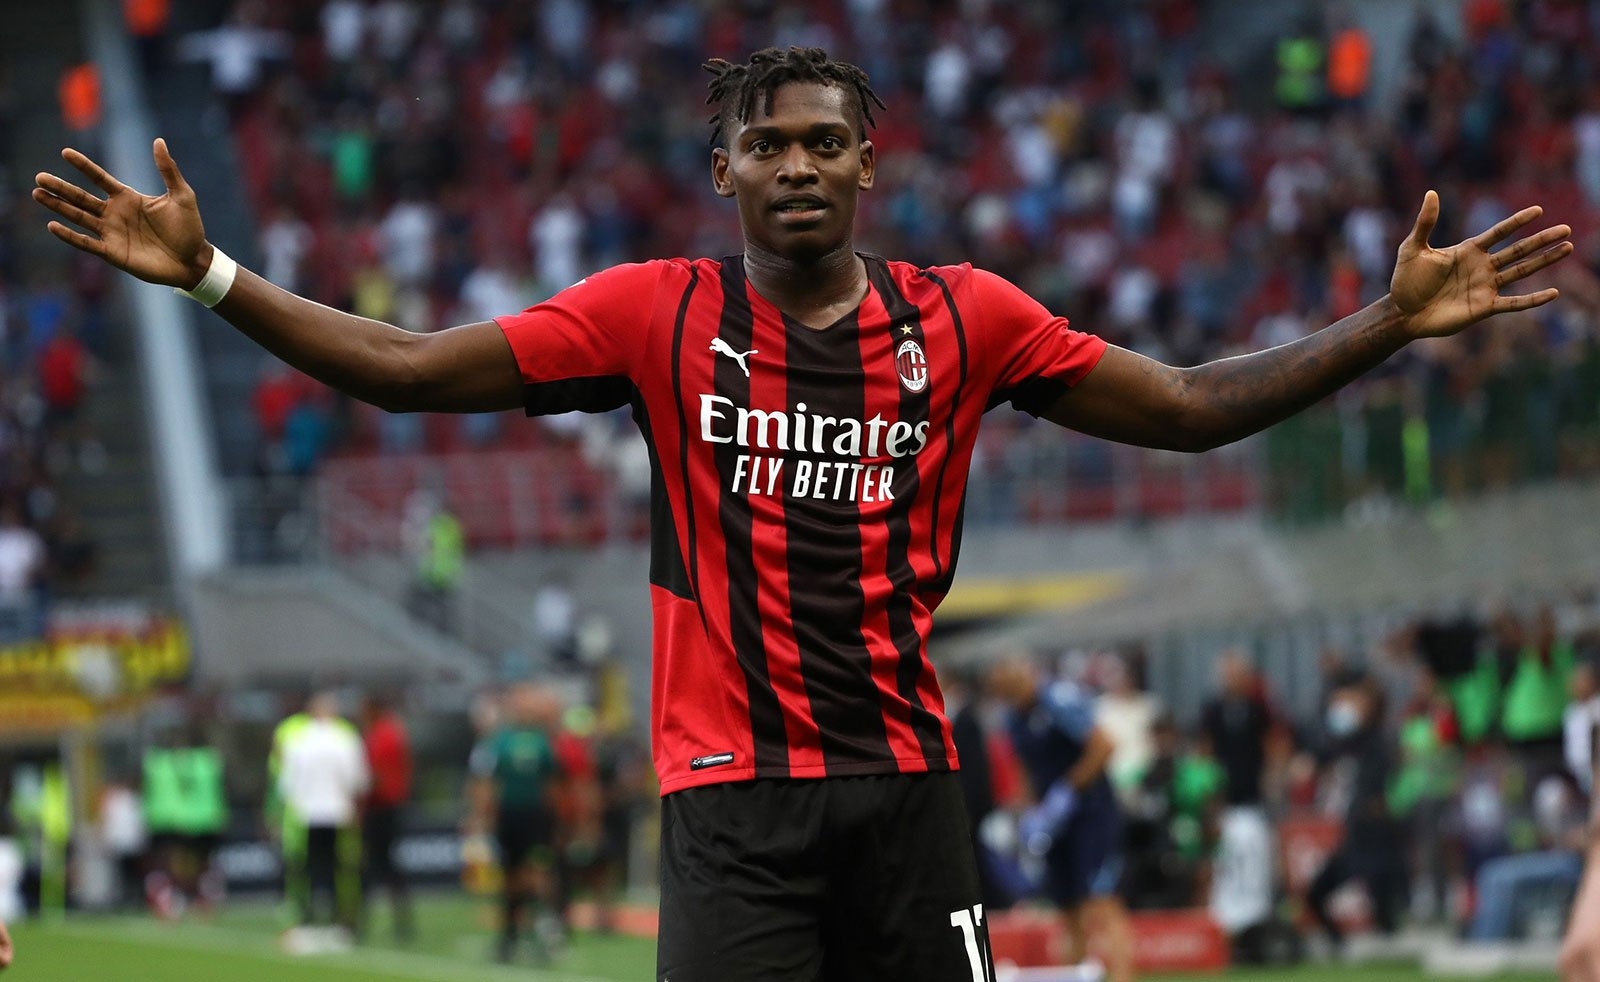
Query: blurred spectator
pixel 1581 726
pixel 79 92
pixel 1536 698
pixel 1236 723
pixel 1516 891
pixel 1372 849
pixel 22 563
pixel 322 776
pixel 122 830
pixel 147 22
pixel 434 539
pixel 1427 775
pixel 389 762
pixel 65 373
pixel 238 51
pixel 1127 713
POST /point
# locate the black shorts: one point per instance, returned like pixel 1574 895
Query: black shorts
pixel 524 835
pixel 837 878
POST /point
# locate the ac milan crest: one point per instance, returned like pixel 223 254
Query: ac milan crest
pixel 912 365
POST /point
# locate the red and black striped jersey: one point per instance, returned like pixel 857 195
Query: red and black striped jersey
pixel 808 492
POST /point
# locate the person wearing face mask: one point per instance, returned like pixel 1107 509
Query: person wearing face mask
pixel 1372 847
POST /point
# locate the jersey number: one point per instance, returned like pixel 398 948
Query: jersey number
pixel 971 924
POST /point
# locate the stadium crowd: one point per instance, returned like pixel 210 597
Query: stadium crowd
pixel 437 164
pixel 1457 756
pixel 1449 773
pixel 52 330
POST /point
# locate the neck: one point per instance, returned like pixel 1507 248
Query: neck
pixel 836 277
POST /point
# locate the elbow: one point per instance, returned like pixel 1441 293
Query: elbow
pixel 1191 433
pixel 401 385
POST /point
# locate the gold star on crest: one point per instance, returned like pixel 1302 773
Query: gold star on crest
pixel 905 329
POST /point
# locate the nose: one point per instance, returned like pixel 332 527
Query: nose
pixel 797 167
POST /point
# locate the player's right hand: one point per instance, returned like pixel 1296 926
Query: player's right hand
pixel 158 239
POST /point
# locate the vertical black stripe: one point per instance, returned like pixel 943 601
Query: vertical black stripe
pixel 733 509
pixel 905 323
pixel 683 437
pixel 667 569
pixel 948 575
pixel 826 603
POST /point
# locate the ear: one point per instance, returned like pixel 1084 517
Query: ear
pixel 720 180
pixel 869 165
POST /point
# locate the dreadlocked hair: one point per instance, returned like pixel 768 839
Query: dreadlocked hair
pixel 734 87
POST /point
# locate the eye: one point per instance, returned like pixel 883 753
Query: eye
pixel 761 146
pixel 832 143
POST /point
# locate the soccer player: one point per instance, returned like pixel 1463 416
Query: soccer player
pixel 1075 827
pixel 514 776
pixel 811 413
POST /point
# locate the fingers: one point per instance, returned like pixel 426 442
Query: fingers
pixel 1427 218
pixel 68 210
pixel 1530 245
pixel 1525 301
pixel 92 171
pixel 1533 264
pixel 77 240
pixel 1506 226
pixel 70 192
pixel 170 175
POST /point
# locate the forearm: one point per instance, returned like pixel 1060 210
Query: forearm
pixel 363 358
pixel 1230 399
pixel 1090 766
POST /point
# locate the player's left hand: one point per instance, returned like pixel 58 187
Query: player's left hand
pixel 1441 291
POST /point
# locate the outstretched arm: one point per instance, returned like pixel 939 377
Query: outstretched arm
pixel 1433 293
pixel 161 239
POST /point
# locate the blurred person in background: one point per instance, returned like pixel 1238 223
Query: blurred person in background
pixel 1126 711
pixel 793 155
pixel 1515 891
pixel 1580 952
pixel 1236 723
pixel 322 777
pixel 514 776
pixel 22 566
pixel 389 762
pixel 1535 698
pixel 1075 826
pixel 962 692
pixel 123 831
pixel 202 818
pixel 1358 776
pixel 163 804
pixel 1428 774
pixel 1578 725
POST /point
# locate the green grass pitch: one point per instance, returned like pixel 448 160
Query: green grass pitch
pixel 454 944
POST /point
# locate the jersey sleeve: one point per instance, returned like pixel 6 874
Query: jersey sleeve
pixel 1033 355
pixel 577 350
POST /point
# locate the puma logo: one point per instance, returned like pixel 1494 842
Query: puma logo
pixel 721 347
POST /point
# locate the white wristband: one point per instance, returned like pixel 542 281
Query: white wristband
pixel 218 280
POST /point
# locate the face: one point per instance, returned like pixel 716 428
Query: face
pixel 1012 681
pixel 797 171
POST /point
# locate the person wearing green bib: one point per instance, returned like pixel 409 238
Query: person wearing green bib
pixel 1535 699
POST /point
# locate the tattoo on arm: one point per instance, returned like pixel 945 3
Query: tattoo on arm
pixel 1235 397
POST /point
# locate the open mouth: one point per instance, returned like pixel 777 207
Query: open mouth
pixel 799 208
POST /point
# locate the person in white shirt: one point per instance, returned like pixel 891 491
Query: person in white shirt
pixel 322 778
pixel 1578 725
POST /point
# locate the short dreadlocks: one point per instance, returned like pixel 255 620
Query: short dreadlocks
pixel 734 87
